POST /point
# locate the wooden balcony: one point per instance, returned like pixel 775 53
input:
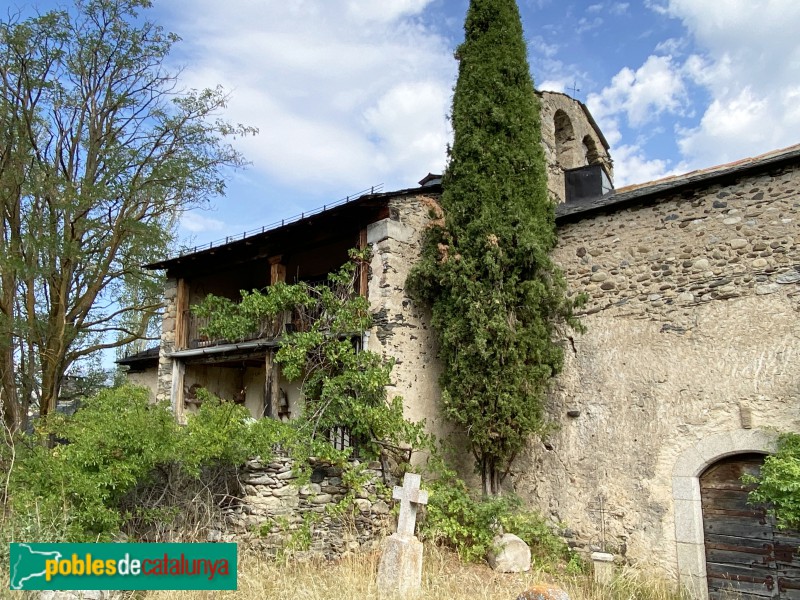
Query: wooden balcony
pixel 298 320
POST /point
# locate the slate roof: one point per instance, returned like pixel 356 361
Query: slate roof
pixel 652 191
pixel 141 359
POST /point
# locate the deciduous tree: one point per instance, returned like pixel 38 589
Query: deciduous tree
pixel 495 293
pixel 100 151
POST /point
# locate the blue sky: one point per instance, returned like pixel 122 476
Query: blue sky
pixel 348 94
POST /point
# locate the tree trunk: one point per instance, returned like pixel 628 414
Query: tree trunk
pixel 490 477
pixel 8 390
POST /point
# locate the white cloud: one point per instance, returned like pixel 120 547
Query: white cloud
pixel 654 88
pixel 631 166
pixel 585 24
pixel 385 11
pixel 614 8
pixel 748 61
pixel 742 125
pixel 672 46
pixel 552 85
pixel 196 223
pixel 405 124
pixel 538 45
pixel 656 6
pixel 334 87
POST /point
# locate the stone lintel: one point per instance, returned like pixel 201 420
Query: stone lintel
pixel 387 228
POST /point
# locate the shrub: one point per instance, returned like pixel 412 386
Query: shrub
pixel 119 444
pixel 779 483
pixel 454 518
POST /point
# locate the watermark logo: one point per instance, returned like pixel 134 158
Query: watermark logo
pixel 123 566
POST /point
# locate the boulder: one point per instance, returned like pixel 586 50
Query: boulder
pixel 512 555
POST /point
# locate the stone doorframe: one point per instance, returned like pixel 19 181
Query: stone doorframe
pixel 690 465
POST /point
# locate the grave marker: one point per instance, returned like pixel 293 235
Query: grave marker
pixel 400 569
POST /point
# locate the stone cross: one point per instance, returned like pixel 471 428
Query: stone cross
pixel 410 497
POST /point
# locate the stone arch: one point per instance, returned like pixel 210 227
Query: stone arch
pixel 688 511
pixel 590 151
pixel 565 141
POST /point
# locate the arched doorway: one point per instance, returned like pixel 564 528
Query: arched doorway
pixel 744 551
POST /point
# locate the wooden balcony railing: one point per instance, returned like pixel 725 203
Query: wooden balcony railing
pixel 196 338
pixel 297 320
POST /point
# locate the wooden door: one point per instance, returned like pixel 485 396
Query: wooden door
pixel 745 553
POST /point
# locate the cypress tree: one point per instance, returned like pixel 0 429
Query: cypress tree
pixel 495 294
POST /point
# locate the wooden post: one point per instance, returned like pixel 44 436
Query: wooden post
pixel 277 270
pixel 178 376
pixel 363 271
pixel 181 314
pixel 277 273
pixel 271 386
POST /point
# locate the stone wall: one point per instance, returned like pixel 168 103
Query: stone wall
pixel 147 378
pixel 692 331
pixel 164 375
pixel 276 513
pixel 402 327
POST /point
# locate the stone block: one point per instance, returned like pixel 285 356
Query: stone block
pixel 688 521
pixel 287 490
pixel 512 555
pixel 388 229
pixel 603 567
pixel 400 568
pixel 258 479
pixel 695 586
pixel 691 559
pixel 685 488
pixel 310 489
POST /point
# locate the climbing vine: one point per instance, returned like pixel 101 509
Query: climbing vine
pixel 343 384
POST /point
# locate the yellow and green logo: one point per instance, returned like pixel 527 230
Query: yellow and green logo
pixel 123 566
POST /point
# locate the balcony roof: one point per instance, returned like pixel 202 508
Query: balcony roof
pixel 317 227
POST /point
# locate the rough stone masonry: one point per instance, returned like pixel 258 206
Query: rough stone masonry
pixel 274 508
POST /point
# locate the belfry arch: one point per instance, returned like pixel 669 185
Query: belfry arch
pixel 566 144
pixel 590 151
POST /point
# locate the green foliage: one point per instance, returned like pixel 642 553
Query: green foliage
pixel 456 519
pixel 496 295
pixel 101 152
pixel 255 312
pixel 112 443
pixel 343 385
pixel 117 442
pixel 779 483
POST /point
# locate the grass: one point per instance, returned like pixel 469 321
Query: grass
pixel 444 577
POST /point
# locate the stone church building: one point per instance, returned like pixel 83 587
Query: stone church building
pixel 687 370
